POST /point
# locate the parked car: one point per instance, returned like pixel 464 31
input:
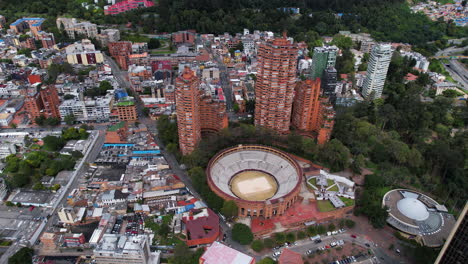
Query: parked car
pixel 353 236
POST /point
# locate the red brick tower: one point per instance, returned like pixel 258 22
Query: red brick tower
pixel 188 110
pixel 306 106
pixel 274 88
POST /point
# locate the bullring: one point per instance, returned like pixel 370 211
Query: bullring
pixel 263 181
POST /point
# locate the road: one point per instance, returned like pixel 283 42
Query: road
pixel 457 70
pixel 97 138
pixel 303 245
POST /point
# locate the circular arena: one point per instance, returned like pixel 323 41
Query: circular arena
pixel 263 181
pixel 418 215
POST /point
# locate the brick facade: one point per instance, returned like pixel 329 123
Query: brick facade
pixel 274 88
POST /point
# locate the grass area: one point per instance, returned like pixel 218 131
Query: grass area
pixel 330 182
pixel 325 206
pixel 382 191
pixel 135 38
pixel 333 189
pixel 162 51
pixel 313 181
pixel 347 201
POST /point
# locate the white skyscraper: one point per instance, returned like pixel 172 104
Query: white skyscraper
pixel 377 70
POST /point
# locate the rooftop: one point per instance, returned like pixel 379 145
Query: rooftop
pixel 219 253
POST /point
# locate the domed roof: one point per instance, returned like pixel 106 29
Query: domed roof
pixel 413 208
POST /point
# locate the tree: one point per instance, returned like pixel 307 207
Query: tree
pixel 336 155
pixel 290 237
pixel 68 96
pixel 266 260
pixel 450 93
pixel 25 52
pixel 104 86
pixel 242 234
pixel 23 256
pixel 268 243
pixel 350 223
pixel 146 111
pixel 154 43
pixel 301 235
pixel 236 108
pixel 321 229
pixel 164 230
pixel 9 203
pixel 13 125
pixel 70 119
pixel 280 238
pixel 331 227
pixel 229 209
pixel 342 42
pixel 38 186
pixel 52 143
pixel 257 245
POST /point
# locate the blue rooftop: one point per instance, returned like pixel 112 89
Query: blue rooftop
pixel 21 20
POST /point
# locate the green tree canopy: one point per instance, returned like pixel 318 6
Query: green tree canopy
pixel 242 234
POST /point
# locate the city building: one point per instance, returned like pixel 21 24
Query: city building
pixel 74 240
pixel 274 88
pixel 108 35
pixel 219 253
pixel 2 21
pixel 201 226
pixel 67 215
pixel 126 5
pixel 306 106
pixel 74 28
pixel 377 68
pixel 323 58
pixel 455 250
pixel 96 110
pixel 47 40
pixel 418 215
pixel 83 52
pixel 50 102
pixel 188 110
pixel 3 187
pixel 120 51
pixel 329 82
pixel 32 23
pixel 114 248
pixel 311 112
pixel 126 109
pixel 33 105
pixel 183 37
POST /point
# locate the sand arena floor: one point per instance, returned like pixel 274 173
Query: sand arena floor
pixel 253 185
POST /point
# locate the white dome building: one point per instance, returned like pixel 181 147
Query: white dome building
pixel 419 215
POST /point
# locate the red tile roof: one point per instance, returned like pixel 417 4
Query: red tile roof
pixel 290 257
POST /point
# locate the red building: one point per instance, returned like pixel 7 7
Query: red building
pixel 50 102
pixel 125 6
pixel 306 106
pixel 74 240
pixel 48 40
pixel 33 106
pixel 120 51
pixel 196 112
pixel 184 37
pixel 312 113
pixel 188 110
pixel 274 88
pixel 201 226
pixel 34 78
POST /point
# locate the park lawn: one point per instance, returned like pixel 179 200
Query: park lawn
pixel 313 181
pixel 334 188
pixel 162 51
pixel 330 182
pixel 325 206
pixel 347 201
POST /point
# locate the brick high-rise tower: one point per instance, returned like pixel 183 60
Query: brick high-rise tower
pixel 274 88
pixel 312 113
pixel 306 107
pixel 188 110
